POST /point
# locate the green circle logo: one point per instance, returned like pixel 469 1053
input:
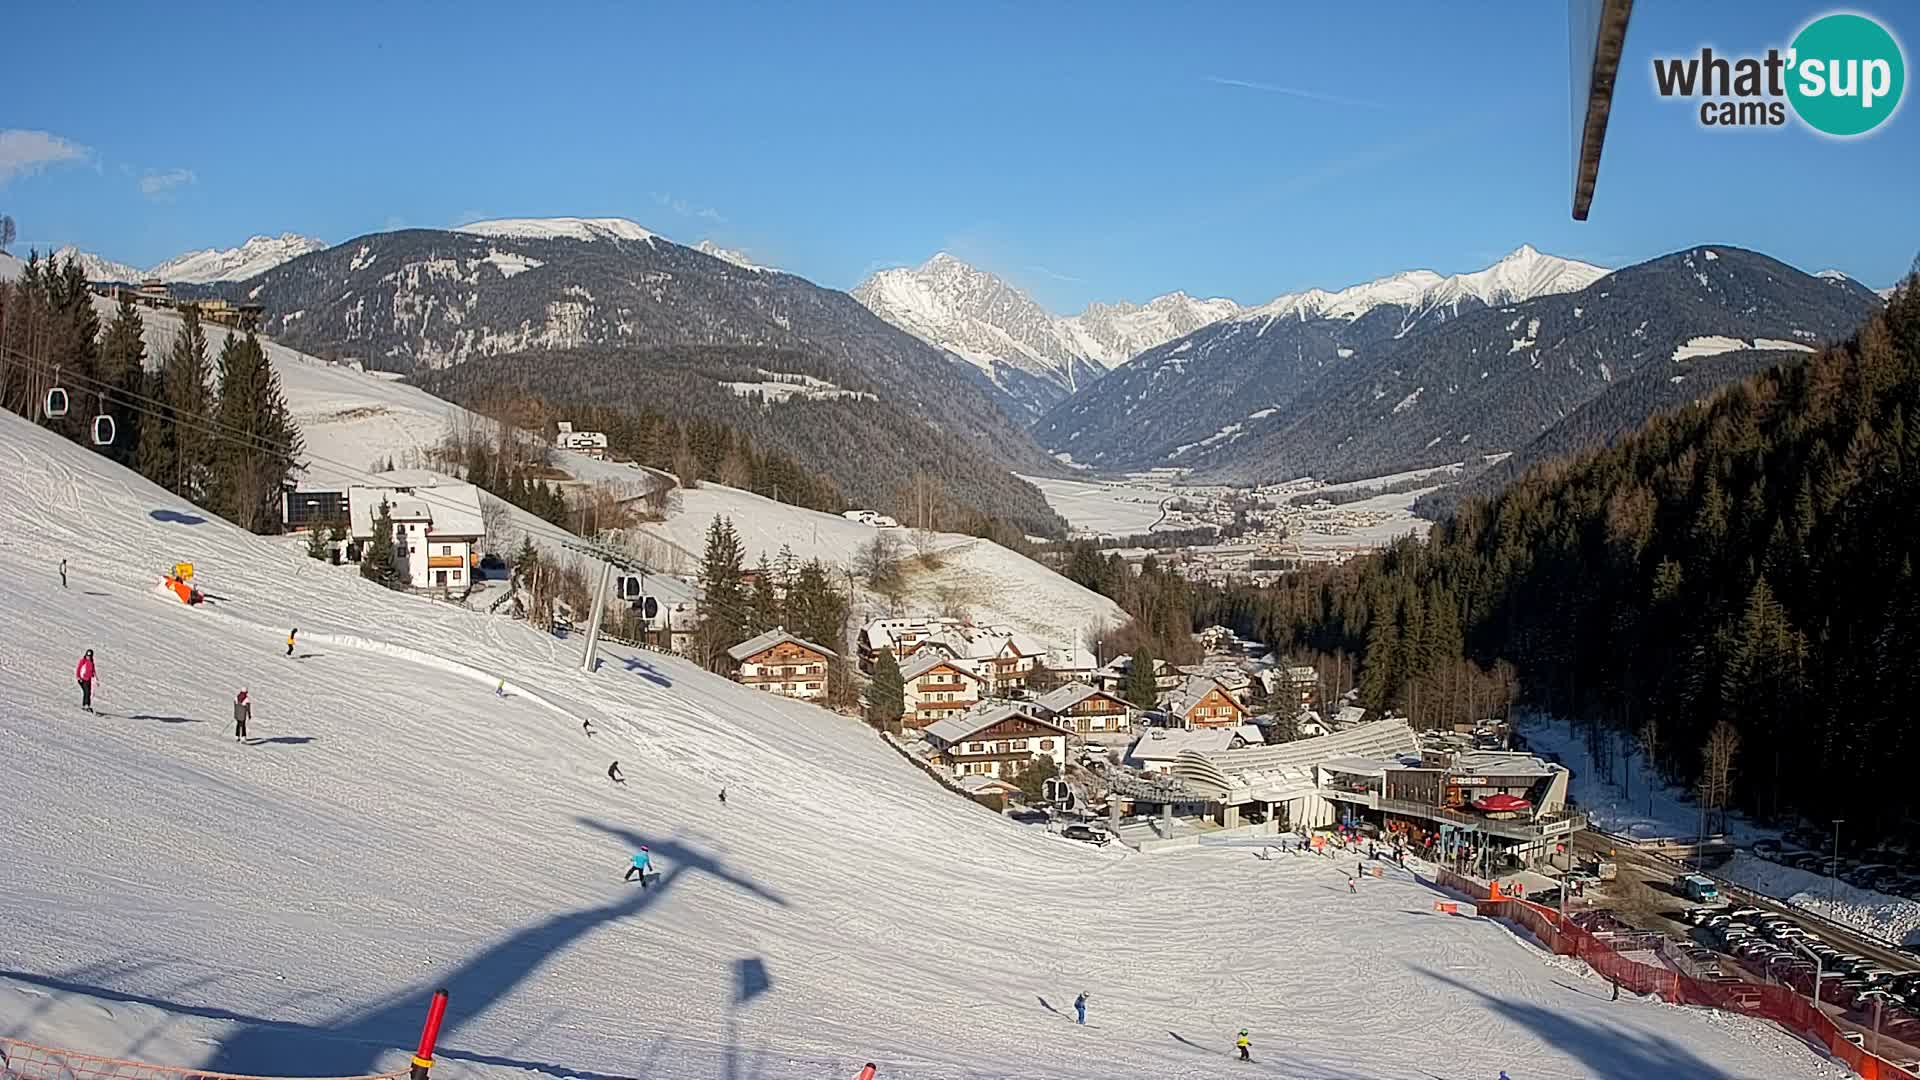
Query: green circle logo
pixel 1847 75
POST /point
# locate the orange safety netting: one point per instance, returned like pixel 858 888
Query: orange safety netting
pixel 27 1061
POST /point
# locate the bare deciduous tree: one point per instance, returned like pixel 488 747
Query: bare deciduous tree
pixel 1716 768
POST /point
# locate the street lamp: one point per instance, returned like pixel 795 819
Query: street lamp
pixel 1833 882
pixel 1819 971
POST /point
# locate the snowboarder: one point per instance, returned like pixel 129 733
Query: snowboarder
pixel 242 712
pixel 83 672
pixel 723 796
pixel 500 688
pixel 1244 1045
pixel 642 862
pixel 290 636
pixel 1351 887
pixel 1080 1008
pixel 63 573
pixel 867 1073
pixel 585 725
pixel 613 773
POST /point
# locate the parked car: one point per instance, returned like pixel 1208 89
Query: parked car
pixel 1699 915
pixel 1087 834
pixel 1746 912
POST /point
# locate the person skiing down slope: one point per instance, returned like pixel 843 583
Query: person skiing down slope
pixel 1244 1045
pixel 867 1073
pixel 1080 1008
pixel 242 712
pixel 63 573
pixel 614 774
pixel 642 862
pixel 84 674
pixel 291 634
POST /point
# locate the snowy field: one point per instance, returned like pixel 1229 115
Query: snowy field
pixel 1103 509
pixel 994 584
pixel 287 904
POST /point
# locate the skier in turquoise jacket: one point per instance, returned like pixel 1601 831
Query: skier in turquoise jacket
pixel 642 862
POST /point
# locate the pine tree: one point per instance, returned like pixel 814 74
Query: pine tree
pixel 317 543
pixel 174 451
pixel 1141 690
pixel 123 357
pixel 257 442
pixel 723 608
pixel 886 693
pixel 763 606
pixel 377 562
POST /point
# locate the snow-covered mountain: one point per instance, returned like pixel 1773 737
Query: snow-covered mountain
pixel 256 256
pixel 96 267
pixel 561 228
pixel 1036 358
pixel 737 258
pixel 1522 275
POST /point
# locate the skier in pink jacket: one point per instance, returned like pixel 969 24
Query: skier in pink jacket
pixel 83 673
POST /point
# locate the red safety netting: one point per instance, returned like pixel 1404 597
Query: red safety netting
pixel 28 1061
pixel 1781 1004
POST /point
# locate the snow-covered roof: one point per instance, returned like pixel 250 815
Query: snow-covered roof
pixel 1191 689
pixel 1285 770
pixel 452 506
pixel 1500 763
pixel 1360 766
pixel 921 663
pixel 982 716
pixel 1348 715
pixel 760 643
pixel 1062 698
pixel 1167 744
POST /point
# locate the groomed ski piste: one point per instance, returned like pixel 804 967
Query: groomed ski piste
pixel 285 905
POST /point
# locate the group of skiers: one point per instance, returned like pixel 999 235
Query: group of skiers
pixel 86 674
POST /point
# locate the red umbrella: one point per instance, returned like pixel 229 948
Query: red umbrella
pixel 1500 803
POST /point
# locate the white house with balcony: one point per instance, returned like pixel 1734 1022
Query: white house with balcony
pixel 437 526
pixel 593 444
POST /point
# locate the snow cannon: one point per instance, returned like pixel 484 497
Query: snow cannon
pixel 183 571
pixel 177 582
pixel 429 1034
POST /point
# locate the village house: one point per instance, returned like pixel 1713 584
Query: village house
pixel 591 443
pixel 937 687
pixel 1085 709
pixel 780 663
pixel 1113 677
pixel 1003 658
pixel 1302 684
pixel 436 527
pixel 997 739
pixel 1157 749
pixel 1201 702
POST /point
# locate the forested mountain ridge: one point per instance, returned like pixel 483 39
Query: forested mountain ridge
pixel 856 446
pixel 1744 562
pixel 1252 401
pixel 420 299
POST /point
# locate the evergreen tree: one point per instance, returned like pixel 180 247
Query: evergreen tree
pixel 1032 780
pixel 123 357
pixel 253 457
pixel 377 562
pixel 723 607
pixel 317 543
pixel 763 606
pixel 886 693
pixel 1141 690
pixel 174 451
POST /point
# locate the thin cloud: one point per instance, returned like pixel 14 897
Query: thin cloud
pixel 683 208
pixel 23 152
pixel 1295 92
pixel 1056 275
pixel 155 185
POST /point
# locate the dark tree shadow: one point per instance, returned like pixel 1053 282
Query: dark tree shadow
pixel 1608 1053
pixel 283 740
pixel 750 980
pixel 358 1040
pixel 176 517
pixel 646 671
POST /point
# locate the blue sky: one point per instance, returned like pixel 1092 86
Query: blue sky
pixel 1085 152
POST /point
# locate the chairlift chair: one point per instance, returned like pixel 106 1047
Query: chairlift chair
pixel 55 406
pixel 103 430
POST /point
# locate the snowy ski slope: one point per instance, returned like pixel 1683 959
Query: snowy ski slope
pixel 285 906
